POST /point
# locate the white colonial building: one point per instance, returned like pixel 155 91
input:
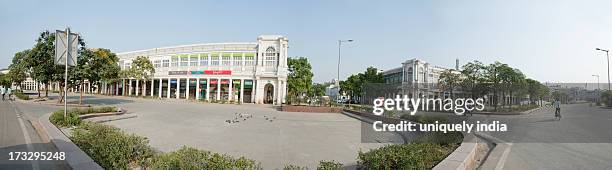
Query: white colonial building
pixel 417 78
pixel 252 72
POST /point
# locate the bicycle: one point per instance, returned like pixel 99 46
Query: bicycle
pixel 558 114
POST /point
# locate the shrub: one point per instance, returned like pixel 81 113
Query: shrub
pixel 329 165
pixel 58 118
pixel 190 158
pixel 606 98
pixel 22 96
pixel 294 167
pixel 110 147
pixel 441 138
pixel 406 156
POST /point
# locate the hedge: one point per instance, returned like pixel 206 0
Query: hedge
pixel 22 96
pixel 405 156
pixel 110 147
pixel 73 119
pixel 190 158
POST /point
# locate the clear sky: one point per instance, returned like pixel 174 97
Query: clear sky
pixel 548 40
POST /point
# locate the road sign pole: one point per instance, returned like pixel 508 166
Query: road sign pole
pixel 66 73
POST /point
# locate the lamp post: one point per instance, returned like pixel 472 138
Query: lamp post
pixel 596 75
pixel 340 45
pixel 607 56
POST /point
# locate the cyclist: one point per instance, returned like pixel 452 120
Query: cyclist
pixel 557 105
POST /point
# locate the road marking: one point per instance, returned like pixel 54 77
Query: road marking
pixel 28 141
pixel 502 159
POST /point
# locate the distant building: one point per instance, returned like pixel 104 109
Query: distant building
pixel 416 78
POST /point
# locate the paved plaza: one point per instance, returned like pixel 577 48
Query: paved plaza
pixel 269 136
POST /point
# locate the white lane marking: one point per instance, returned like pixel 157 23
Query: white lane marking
pixel 28 141
pixel 502 159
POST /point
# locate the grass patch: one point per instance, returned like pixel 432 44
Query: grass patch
pixel 21 96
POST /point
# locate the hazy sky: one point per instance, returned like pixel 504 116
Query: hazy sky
pixel 548 40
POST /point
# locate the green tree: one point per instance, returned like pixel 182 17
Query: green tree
pixel 318 89
pixel 41 60
pixel 141 69
pixel 449 81
pixel 474 80
pixel 353 86
pixel 299 79
pixel 106 63
pixel 4 80
pixel 19 67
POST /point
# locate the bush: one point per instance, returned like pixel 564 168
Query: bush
pixel 22 96
pixel 105 109
pixel 329 165
pixel 445 139
pixel 190 158
pixel 72 119
pixel 294 167
pixel 406 156
pixel 606 98
pixel 110 147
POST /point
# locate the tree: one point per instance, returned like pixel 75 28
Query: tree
pixel 449 81
pixel 141 69
pixel 106 63
pixel 318 89
pixel 19 67
pixel 41 59
pixel 299 78
pixel 492 76
pixel 4 80
pixel 353 85
pixel 474 78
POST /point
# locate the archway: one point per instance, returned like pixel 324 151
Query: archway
pixel 268 94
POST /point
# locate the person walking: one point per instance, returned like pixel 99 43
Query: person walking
pixel 557 106
pixel 9 93
pixel 2 91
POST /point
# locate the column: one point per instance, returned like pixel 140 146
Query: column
pixel 230 94
pixel 137 87
pixel 160 87
pixel 241 91
pixel 152 86
pixel 178 88
pixel 187 89
pixel 130 89
pixel 197 88
pixel 123 87
pixel 218 89
pixel 207 89
pixel 116 88
pixel 168 91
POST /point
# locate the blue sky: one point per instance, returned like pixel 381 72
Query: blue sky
pixel 548 40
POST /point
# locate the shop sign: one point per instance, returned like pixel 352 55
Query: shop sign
pixel 218 72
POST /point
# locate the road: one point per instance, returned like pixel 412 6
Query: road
pixel 18 135
pixel 582 139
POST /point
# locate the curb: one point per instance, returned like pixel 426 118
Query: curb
pixel 75 157
pixel 464 157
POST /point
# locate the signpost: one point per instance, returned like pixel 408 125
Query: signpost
pixel 66 46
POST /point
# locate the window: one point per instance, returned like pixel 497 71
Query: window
pixel 237 57
pixel 249 59
pixel 270 57
pixel 157 63
pixel 128 65
pixel 184 60
pixel 166 63
pixel 214 59
pixel 174 61
pixel 226 59
pixel 203 59
pixel 121 64
pixel 193 60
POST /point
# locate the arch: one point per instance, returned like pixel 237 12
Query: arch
pixel 270 49
pixel 268 94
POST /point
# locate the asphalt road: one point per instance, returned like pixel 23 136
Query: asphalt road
pixel 582 139
pixel 18 135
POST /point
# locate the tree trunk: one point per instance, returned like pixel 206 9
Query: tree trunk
pixel 46 89
pixel 82 88
pixel 38 89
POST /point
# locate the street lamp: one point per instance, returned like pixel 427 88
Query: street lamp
pixel 608 56
pixel 596 75
pixel 340 45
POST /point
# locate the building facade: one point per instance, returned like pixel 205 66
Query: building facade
pixel 415 78
pixel 241 72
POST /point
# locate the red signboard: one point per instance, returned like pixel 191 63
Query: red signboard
pixel 213 81
pixel 218 72
pixel 224 81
